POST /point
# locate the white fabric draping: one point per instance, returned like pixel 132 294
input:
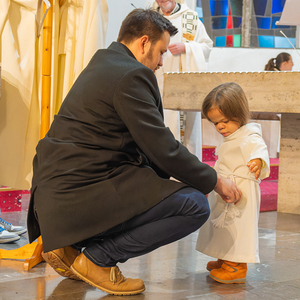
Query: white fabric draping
pixel 19 107
pixel 79 30
pixel 194 59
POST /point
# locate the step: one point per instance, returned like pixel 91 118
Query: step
pixel 274 169
pixel 269 193
pixel 11 200
pixel 208 153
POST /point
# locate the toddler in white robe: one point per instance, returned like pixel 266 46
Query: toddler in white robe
pixel 231 232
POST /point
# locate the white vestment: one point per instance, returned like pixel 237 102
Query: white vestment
pixel 79 29
pixel 19 104
pixel 237 241
pixel 195 58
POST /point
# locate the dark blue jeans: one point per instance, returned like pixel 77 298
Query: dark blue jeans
pixel 170 220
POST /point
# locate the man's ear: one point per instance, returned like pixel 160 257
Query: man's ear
pixel 144 40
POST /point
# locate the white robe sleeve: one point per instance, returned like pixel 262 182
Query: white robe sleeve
pixel 260 150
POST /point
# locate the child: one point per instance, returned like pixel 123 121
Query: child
pixel 282 62
pixel 231 232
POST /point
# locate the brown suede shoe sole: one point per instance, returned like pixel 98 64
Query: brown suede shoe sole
pixel 104 289
pixel 58 265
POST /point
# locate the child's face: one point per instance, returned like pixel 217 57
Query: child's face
pixel 223 125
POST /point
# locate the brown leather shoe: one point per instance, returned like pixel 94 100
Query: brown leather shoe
pixel 214 264
pixel 109 280
pixel 61 260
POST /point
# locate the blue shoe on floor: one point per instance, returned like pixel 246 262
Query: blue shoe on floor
pixel 7 237
pixel 11 228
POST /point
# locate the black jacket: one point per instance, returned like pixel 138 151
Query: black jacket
pixel 108 154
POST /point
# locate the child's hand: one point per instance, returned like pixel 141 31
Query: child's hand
pixel 254 166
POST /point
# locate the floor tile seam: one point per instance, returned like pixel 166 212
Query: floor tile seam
pixel 281 232
pixel 28 277
pixel 264 285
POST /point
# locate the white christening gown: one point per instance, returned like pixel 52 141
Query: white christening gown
pixel 235 237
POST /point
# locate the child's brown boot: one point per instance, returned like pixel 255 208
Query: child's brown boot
pixel 230 272
pixel 214 264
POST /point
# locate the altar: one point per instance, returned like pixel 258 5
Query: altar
pixel 277 92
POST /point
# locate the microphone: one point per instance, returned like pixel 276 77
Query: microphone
pixel 289 41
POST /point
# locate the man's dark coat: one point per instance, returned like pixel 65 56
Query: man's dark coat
pixel 108 154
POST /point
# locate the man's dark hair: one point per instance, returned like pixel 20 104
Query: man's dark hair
pixel 141 22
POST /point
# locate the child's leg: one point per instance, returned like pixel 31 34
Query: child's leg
pixel 230 272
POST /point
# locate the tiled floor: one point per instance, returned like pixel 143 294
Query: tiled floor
pixel 173 272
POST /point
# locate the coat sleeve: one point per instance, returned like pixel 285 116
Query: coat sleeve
pixel 137 102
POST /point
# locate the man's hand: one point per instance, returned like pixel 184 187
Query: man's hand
pixel 177 48
pixel 228 190
pixel 254 166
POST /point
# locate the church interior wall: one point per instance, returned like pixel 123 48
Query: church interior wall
pixel 221 59
pixel 228 59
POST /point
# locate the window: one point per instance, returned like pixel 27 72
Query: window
pixel 223 22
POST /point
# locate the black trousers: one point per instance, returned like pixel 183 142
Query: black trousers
pixel 170 220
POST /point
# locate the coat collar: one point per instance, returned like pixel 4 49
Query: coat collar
pixel 116 46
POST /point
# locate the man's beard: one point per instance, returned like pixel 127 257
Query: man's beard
pixel 148 59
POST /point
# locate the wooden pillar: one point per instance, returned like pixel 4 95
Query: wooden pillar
pixel 246 23
pixel 46 71
pixel 288 185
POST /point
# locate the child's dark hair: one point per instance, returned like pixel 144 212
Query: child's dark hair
pixel 231 100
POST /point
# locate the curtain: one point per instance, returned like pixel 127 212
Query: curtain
pixel 79 30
